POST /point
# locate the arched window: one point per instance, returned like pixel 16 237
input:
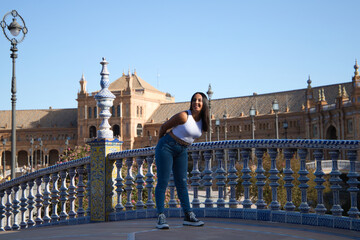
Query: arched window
pixel 92 132
pixel 139 130
pixel 116 130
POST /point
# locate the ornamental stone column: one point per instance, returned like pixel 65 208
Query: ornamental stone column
pixel 102 197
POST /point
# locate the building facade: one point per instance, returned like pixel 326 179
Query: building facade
pixel 139 109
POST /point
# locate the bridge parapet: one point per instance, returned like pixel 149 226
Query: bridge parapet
pixel 235 171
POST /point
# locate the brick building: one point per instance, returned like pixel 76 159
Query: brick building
pixel 324 112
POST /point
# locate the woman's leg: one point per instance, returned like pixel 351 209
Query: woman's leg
pixel 180 166
pixel 164 162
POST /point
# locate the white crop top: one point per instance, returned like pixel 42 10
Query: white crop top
pixel 189 130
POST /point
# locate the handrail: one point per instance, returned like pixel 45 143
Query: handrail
pixel 68 185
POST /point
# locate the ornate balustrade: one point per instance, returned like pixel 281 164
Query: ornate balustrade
pixel 56 195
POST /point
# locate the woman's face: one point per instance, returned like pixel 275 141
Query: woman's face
pixel 197 103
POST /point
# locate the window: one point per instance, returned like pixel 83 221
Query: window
pixel 349 126
pixel 314 131
pixel 113 111
pixel 139 130
pixel 116 129
pixel 92 131
pixel 95 112
pixel 89 112
pixel 118 111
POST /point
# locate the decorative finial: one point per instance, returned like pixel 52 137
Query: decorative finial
pixel 339 91
pixel 104 99
pixel 323 95
pixel 356 66
pixel 344 93
pixel 320 95
pixel 309 81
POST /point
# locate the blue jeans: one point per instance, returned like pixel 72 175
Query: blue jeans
pixel 170 155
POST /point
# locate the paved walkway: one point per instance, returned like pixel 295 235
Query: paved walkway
pixel 214 228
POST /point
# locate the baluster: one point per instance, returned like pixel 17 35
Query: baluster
pixel 30 202
pixel 72 193
pixel 335 183
pixel 54 197
pixel 172 201
pixel 80 191
pixel 63 195
pixel 140 182
pixel 150 180
pixel 195 179
pixel 274 205
pixel 8 209
pixel 288 178
pixel 47 198
pixel 15 207
pixel 303 179
pixel 221 178
pixel 38 201
pixel 353 182
pixel 129 183
pixel 319 180
pixel 119 185
pixel 245 153
pixel 88 189
pixel 208 179
pixel 2 211
pixel 260 183
pixel 233 179
pixel 23 205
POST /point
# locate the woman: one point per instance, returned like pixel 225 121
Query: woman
pixel 171 154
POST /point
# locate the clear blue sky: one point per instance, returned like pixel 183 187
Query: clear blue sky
pixel 240 47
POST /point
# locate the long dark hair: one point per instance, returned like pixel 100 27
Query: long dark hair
pixel 204 114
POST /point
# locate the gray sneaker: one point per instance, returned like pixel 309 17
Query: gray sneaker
pixel 161 223
pixel 191 220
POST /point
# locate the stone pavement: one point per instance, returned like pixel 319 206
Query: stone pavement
pixel 215 228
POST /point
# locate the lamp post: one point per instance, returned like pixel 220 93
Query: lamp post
pixel 41 155
pixel 217 123
pixel 225 123
pixel 210 93
pixel 275 106
pixel 66 146
pixel 15 29
pixel 32 154
pixel 252 114
pixel 4 159
pixel 285 126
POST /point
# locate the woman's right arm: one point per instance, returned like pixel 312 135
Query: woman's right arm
pixel 177 119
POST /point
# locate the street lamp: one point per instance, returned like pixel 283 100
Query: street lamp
pixel 41 155
pixel 66 144
pixel 225 123
pixel 32 154
pixel 285 126
pixel 150 138
pixel 217 123
pixel 252 113
pixel 4 159
pixel 15 29
pixel 275 106
pixel 209 93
